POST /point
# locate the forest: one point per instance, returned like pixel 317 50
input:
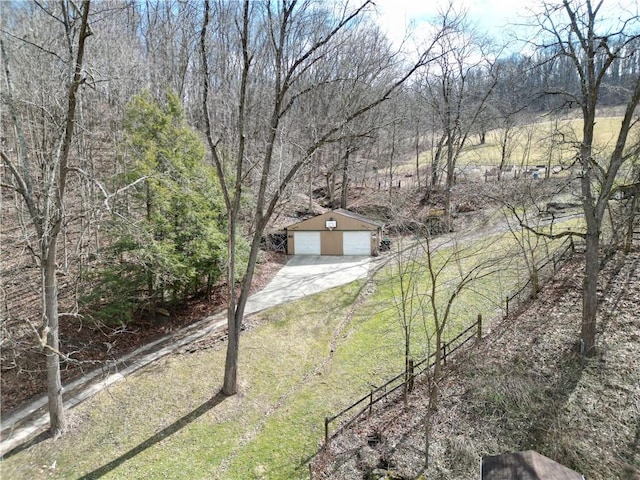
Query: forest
pixel 149 148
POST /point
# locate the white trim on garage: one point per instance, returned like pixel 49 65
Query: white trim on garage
pixel 307 243
pixel 356 243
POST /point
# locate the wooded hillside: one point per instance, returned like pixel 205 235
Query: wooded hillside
pixel 148 147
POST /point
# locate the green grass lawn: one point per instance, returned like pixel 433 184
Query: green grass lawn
pixel 168 420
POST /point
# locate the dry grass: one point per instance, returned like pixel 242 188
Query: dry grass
pixel 538 138
pixel 523 388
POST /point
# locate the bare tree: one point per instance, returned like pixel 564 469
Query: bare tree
pixel 581 33
pixel 456 86
pixel 505 109
pixel 407 274
pixel 39 175
pixel 428 276
pixel 525 206
pixel 279 52
pixel 471 263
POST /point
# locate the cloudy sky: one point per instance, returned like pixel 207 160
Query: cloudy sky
pixel 491 16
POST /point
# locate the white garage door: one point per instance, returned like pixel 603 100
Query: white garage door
pixel 306 243
pixel 356 243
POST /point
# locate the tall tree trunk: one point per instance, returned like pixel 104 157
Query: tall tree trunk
pixel 229 385
pixel 331 184
pixel 50 309
pixel 628 240
pixel 236 315
pixel 417 147
pixel 435 162
pixel 392 159
pixel 448 213
pixel 503 153
pixel 590 291
pixel 345 180
pixel 437 370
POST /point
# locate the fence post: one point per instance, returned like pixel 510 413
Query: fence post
pixel 326 431
pixel 479 326
pixel 507 313
pixel 444 354
pixel 410 375
pixel 370 401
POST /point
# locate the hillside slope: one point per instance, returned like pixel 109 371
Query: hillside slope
pixel 522 388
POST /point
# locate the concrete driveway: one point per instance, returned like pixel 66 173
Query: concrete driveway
pixel 308 274
pixel 301 276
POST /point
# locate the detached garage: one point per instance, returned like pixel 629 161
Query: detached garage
pixel 339 232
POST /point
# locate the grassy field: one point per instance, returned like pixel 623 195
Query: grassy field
pixel 298 363
pixel 534 144
pixel 524 387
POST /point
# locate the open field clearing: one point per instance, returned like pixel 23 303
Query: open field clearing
pixel 530 145
pixel 533 144
pixel 299 363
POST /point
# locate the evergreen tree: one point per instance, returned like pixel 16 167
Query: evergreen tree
pixel 168 239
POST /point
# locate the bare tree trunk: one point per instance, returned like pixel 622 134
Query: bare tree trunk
pixel 236 316
pixel 52 347
pixel 46 206
pixel 628 241
pixel 408 368
pixel 229 386
pixel 590 292
pixel 345 180
pixel 392 159
pixel 417 147
pixel 310 189
pixel 503 152
pixel 451 165
pixel 331 186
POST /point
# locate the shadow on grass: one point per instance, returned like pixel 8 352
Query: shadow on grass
pixel 41 437
pixel 158 437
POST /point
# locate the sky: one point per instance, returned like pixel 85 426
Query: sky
pixel 491 16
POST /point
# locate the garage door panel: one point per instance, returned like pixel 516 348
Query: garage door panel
pixel 307 243
pixel 356 243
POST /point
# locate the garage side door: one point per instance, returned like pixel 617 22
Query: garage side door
pixel 306 243
pixel 356 243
